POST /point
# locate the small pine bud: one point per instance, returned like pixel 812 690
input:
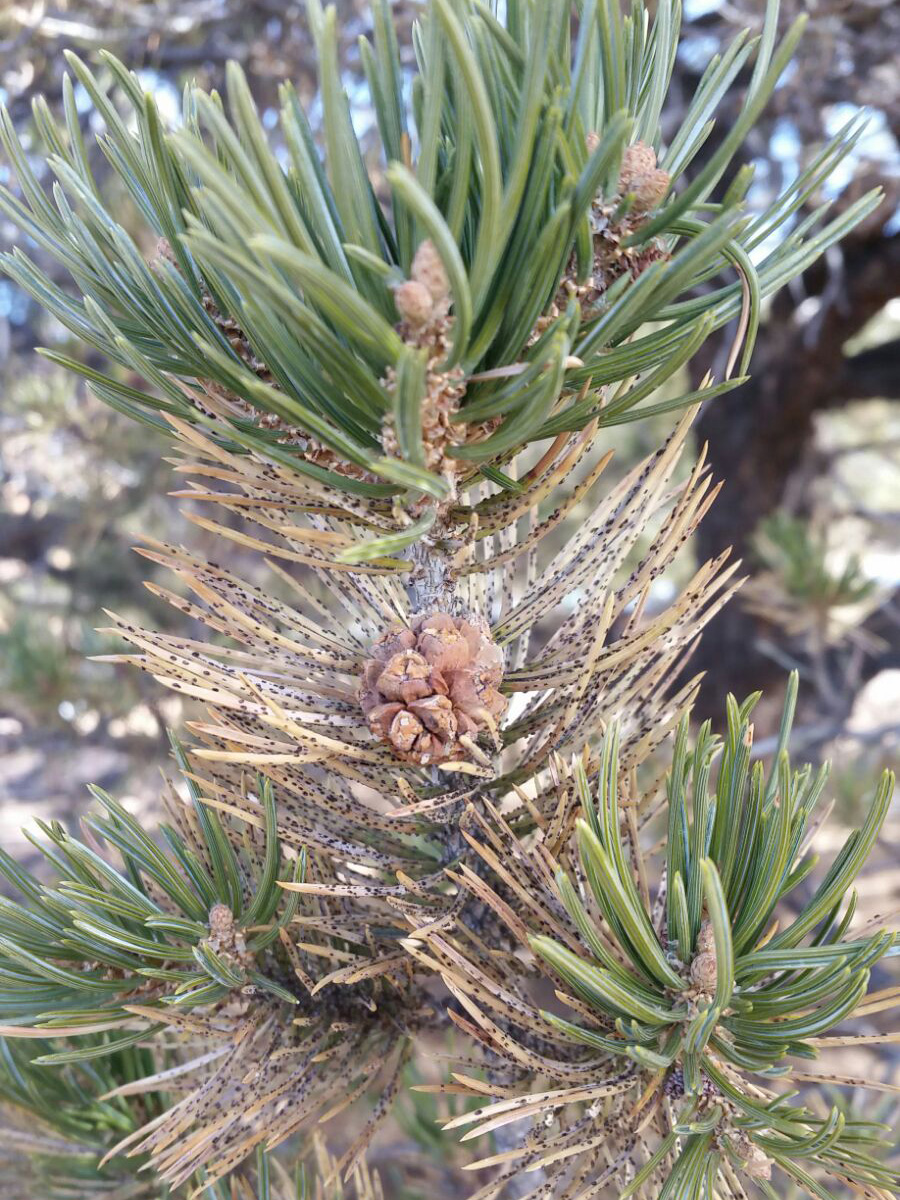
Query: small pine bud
pixel 652 190
pixel 756 1163
pixel 641 176
pixel 706 939
pixel 638 160
pixel 592 141
pixel 221 920
pixel 164 251
pixel 704 969
pixel 428 269
pixel 704 972
pixel 414 302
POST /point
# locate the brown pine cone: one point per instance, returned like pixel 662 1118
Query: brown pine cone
pixel 430 690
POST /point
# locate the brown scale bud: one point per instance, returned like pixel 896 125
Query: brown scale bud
pixel 592 141
pixel 414 302
pixel 706 938
pixel 641 176
pixel 428 690
pixel 756 1163
pixel 704 969
pixel 221 921
pixel 226 936
pixel 637 160
pixel 164 252
pixel 428 269
pixel 704 972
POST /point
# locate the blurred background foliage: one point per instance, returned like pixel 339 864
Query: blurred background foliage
pixel 809 448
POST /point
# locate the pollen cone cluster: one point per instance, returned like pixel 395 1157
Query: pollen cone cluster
pixel 424 302
pixel 644 185
pixel 429 691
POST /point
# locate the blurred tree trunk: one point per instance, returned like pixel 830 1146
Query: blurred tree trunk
pixel 757 436
pixel 761 435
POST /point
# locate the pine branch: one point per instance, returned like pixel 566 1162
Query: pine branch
pixel 185 954
pixel 452 675
pixel 679 1016
pixel 563 244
